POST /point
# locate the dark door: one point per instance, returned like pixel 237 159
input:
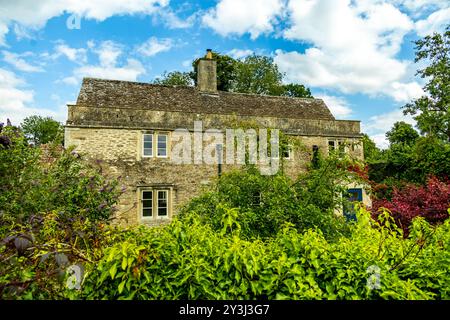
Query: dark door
pixel 352 196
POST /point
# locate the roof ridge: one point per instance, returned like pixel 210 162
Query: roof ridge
pixel 193 87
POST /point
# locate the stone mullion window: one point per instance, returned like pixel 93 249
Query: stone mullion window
pixel 154 203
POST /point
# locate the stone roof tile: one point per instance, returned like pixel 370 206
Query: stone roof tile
pixel 101 93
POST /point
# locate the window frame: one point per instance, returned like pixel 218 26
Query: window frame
pixel 160 134
pixel 143 145
pixel 155 190
pixel 142 205
pixel 157 204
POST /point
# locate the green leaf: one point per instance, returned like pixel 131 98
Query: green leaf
pixel 113 271
pixel 121 286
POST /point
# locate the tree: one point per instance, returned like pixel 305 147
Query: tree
pixel 174 78
pixel 432 112
pixel 226 71
pixel 258 74
pixel 371 151
pixel 295 90
pixel 40 130
pixel 402 133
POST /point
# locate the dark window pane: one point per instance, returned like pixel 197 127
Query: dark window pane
pixel 147 195
pixel 147 203
pixel 147 145
pixel 162 211
pixel 147 212
pixel 162 194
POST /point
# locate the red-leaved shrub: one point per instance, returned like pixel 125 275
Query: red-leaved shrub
pixel 430 201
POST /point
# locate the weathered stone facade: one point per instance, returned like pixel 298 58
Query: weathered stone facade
pixel 110 119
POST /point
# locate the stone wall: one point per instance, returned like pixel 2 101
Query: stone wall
pixel 121 151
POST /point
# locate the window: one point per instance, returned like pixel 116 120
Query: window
pixel 331 146
pixel 287 152
pixel 336 144
pixel 147 204
pixel 315 156
pixel 162 203
pixel 162 145
pixel 161 141
pixel 154 204
pixel 148 145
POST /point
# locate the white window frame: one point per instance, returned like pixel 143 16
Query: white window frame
pixel 147 218
pixel 167 204
pixel 143 145
pixel 167 145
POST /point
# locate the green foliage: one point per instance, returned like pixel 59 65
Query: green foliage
pixel 42 130
pixel 264 203
pixel 432 112
pixel 295 90
pixel 254 74
pixel 174 78
pixel 257 74
pixel 371 151
pixel 61 180
pixel 402 133
pixel 191 260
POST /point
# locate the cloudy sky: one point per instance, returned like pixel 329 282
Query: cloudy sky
pixel 357 55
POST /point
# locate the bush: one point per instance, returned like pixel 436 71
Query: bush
pixel 264 203
pixel 430 201
pixel 52 215
pixel 190 260
pixel 64 182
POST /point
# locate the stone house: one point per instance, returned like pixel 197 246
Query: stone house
pixel 131 125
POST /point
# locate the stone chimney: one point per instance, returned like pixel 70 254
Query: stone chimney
pixel 207 73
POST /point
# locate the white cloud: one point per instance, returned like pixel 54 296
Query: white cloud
pixel 172 21
pixel 354 47
pixel 377 126
pixel 35 14
pixel 154 46
pixel 15 102
pixel 109 66
pixel 239 53
pixel 338 106
pixel 435 22
pixel 73 54
pixel 129 72
pixel 19 63
pixel 238 17
pixel 108 52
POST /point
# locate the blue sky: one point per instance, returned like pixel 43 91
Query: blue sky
pixel 357 55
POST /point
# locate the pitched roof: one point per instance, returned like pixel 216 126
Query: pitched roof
pixel 136 95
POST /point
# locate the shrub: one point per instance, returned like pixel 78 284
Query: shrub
pixel 430 201
pixel 264 203
pixel 190 260
pixel 65 183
